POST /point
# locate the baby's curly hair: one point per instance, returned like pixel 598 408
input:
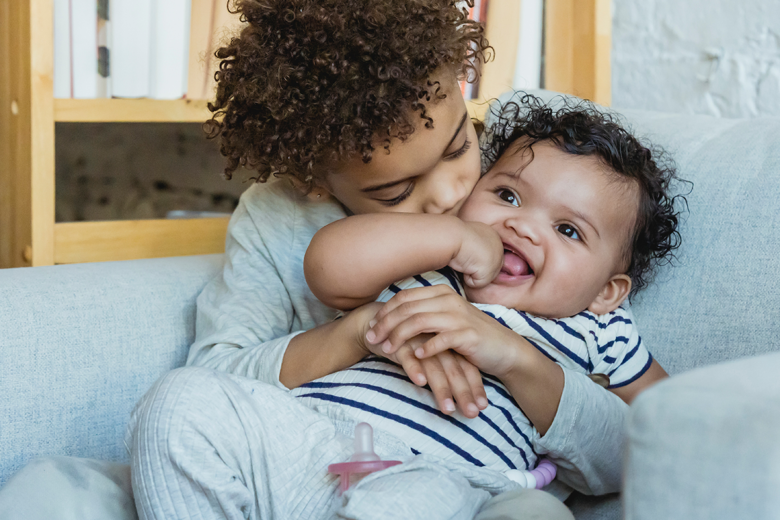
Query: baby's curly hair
pixel 308 81
pixel 579 128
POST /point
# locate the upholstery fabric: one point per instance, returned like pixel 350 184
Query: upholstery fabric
pixel 704 445
pixel 80 344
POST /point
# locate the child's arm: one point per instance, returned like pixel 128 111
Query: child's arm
pixel 351 261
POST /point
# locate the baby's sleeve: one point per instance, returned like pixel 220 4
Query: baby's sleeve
pixel 445 276
pixel 617 349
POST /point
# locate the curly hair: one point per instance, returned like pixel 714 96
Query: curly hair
pixel 580 128
pixel 308 81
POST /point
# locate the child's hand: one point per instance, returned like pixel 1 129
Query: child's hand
pixel 452 379
pixel 481 255
pixel 455 324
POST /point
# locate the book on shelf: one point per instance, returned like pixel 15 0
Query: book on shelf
pixel 63 87
pixel 170 28
pixel 103 53
pixel 121 48
pixel 131 42
pixel 83 47
pixel 478 13
pixel 210 26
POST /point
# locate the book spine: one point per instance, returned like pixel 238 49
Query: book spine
pixel 201 28
pixel 130 45
pixel 104 51
pixel 62 64
pixel 169 48
pixel 84 48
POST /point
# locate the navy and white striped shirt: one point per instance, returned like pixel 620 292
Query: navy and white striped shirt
pixel 378 391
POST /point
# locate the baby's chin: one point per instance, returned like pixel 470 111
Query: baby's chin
pixel 497 295
pixel 494 295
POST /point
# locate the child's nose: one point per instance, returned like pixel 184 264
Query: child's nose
pixel 445 198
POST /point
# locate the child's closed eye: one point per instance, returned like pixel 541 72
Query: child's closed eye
pixel 459 152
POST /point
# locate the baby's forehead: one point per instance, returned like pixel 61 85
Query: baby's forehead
pixel 538 166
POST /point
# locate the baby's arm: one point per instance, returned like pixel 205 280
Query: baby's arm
pixel 351 261
pixel 618 351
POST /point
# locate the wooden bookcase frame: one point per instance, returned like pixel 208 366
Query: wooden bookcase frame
pixel 577 58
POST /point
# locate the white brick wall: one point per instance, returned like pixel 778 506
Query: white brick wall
pixel 718 57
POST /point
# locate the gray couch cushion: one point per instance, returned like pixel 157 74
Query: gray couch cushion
pixel 79 346
pixel 722 300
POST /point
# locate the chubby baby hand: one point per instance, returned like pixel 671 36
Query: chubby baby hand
pixel 480 256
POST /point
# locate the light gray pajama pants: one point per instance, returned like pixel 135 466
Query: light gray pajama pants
pixel 205 444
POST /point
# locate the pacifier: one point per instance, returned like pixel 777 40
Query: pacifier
pixel 363 460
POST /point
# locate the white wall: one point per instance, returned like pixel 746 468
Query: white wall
pixel 718 57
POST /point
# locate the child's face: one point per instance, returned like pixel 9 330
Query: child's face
pixel 564 222
pixel 433 171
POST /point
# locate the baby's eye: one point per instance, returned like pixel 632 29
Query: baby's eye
pixel 568 230
pixel 508 196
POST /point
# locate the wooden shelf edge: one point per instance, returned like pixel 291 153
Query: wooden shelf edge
pixel 76 242
pixel 130 110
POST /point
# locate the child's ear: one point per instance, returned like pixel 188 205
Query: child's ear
pixel 611 295
pixel 317 191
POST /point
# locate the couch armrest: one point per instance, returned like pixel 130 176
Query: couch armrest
pixel 706 444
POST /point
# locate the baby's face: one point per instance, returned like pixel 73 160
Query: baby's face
pixel 564 222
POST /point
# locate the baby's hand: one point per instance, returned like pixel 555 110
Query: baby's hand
pixel 481 255
pixel 451 323
pixel 452 379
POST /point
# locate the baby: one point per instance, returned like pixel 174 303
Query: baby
pixel 571 218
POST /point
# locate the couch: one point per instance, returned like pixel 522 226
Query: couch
pixel 80 344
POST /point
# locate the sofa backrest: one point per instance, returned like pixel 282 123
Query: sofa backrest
pixel 722 298
pixel 80 344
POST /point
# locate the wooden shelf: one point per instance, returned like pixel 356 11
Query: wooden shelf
pixel 130 110
pixel 107 241
pixel 577 60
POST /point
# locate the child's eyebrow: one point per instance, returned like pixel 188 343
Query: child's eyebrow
pixel 394 183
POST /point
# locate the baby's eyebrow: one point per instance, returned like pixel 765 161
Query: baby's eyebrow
pixel 581 216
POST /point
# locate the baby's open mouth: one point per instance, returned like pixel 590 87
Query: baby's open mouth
pixel 515 265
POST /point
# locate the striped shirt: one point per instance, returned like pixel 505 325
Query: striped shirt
pixel 378 391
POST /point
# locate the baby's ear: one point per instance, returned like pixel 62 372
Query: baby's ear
pixel 611 295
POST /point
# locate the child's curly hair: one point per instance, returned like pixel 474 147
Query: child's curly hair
pixel 579 128
pixel 313 80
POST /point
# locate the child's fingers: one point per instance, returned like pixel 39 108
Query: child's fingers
pixel 459 384
pixel 412 366
pixel 416 324
pixel 474 377
pixel 443 341
pixel 411 295
pixel 439 385
pixel 381 328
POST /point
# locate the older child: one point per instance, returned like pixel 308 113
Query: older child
pixel 356 104
pixel 572 214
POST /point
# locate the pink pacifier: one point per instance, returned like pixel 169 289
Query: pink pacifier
pixel 364 460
